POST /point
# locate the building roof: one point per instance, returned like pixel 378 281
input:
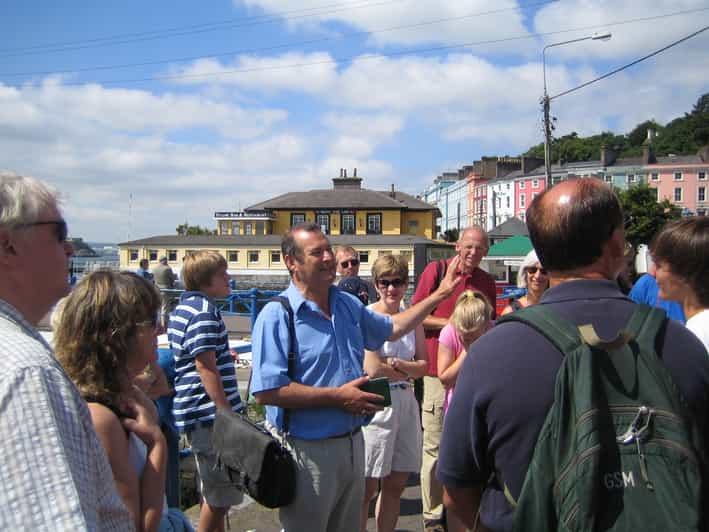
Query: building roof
pixel 353 198
pixel 515 246
pixel 219 241
pixel 512 226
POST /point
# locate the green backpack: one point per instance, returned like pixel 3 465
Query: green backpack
pixel 618 450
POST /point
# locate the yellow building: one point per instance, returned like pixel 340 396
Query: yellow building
pixel 372 222
pixel 345 209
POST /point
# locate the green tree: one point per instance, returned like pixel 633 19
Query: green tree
pixel 186 229
pixel 639 133
pixel 644 215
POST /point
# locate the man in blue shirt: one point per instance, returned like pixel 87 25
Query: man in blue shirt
pixel 327 408
pixel 645 290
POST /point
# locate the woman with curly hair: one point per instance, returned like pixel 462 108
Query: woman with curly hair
pixel 105 336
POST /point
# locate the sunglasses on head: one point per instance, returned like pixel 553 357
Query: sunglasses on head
pixel 534 269
pixel 396 283
pixel 346 263
pixel 61 230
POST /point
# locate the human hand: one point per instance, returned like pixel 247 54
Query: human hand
pixel 395 364
pixel 451 279
pixel 142 423
pixel 356 401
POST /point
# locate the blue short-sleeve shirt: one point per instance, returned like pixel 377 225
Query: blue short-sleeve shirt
pixel 330 352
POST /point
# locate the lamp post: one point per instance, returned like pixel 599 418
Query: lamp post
pixel 546 99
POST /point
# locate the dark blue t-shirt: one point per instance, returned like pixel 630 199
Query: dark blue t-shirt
pixel 506 387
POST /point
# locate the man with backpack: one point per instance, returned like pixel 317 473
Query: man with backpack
pixel 586 411
pixel 471 247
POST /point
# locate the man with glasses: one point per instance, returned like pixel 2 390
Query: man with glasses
pixel 54 473
pixel 471 248
pixel 326 406
pixel 350 281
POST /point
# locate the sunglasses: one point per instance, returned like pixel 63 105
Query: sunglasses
pixel 386 283
pixel 346 263
pixel 61 231
pixel 533 269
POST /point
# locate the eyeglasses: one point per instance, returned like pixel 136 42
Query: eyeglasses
pixel 60 228
pixel 533 269
pixel 346 263
pixel 386 283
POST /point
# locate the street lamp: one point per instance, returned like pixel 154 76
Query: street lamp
pixel 546 99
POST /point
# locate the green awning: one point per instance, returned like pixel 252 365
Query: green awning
pixel 515 246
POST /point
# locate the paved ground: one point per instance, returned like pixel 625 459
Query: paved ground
pixel 251 516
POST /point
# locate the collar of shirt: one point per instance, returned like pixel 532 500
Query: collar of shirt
pixel 583 289
pixel 13 315
pixel 297 300
pixel 195 293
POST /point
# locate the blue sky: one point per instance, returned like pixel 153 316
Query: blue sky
pixel 148 114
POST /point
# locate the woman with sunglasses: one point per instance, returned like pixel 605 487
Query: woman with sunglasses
pixel 532 277
pixel 105 336
pixel 393 438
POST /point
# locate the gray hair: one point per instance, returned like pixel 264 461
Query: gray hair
pixel 530 260
pixel 23 199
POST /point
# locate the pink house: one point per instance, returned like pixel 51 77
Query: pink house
pixel 526 189
pixel 683 180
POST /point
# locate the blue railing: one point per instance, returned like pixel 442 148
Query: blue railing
pixel 239 302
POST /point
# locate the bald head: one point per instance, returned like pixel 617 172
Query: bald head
pixel 570 223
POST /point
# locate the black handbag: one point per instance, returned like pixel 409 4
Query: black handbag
pixel 255 460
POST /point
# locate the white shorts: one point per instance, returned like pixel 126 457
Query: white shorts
pixel 392 440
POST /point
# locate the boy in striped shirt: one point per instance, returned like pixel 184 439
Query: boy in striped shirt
pixel 205 377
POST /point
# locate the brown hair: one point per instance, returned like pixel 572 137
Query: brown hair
pixel 386 265
pixel 96 330
pixel 199 268
pixel 684 246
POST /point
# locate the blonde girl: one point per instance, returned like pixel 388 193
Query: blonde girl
pixel 470 319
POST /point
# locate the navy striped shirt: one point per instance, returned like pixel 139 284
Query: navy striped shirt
pixel 195 327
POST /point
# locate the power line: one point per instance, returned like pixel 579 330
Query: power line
pixel 279 46
pixel 382 55
pixel 155 35
pixel 648 56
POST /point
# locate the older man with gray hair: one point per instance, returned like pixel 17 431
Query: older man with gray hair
pixel 54 473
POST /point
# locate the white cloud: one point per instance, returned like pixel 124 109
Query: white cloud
pixel 628 40
pixel 461 21
pixel 309 73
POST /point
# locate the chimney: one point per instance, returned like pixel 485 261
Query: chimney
pixel 354 174
pixel 650 134
pixel 345 183
pixel 608 156
pixel 345 173
pixel 392 193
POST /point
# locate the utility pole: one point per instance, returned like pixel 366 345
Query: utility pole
pixel 545 99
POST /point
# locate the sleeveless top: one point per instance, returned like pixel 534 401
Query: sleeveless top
pixel 403 348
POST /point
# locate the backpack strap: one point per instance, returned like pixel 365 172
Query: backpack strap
pixel 563 334
pixel 291 350
pixel 645 324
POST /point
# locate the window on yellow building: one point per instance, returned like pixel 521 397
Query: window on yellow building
pixel 133 254
pixel 172 255
pixel 412 227
pixel 347 224
pixel 363 256
pixel 297 218
pixel 232 256
pixel 374 223
pixel 275 256
pixel 253 256
pixel 152 255
pixel 323 221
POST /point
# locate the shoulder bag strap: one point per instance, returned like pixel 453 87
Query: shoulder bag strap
pixel 291 351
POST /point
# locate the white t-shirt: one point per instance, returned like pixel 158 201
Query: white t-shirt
pixel 699 325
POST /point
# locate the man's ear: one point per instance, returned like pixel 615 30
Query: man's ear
pixel 290 263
